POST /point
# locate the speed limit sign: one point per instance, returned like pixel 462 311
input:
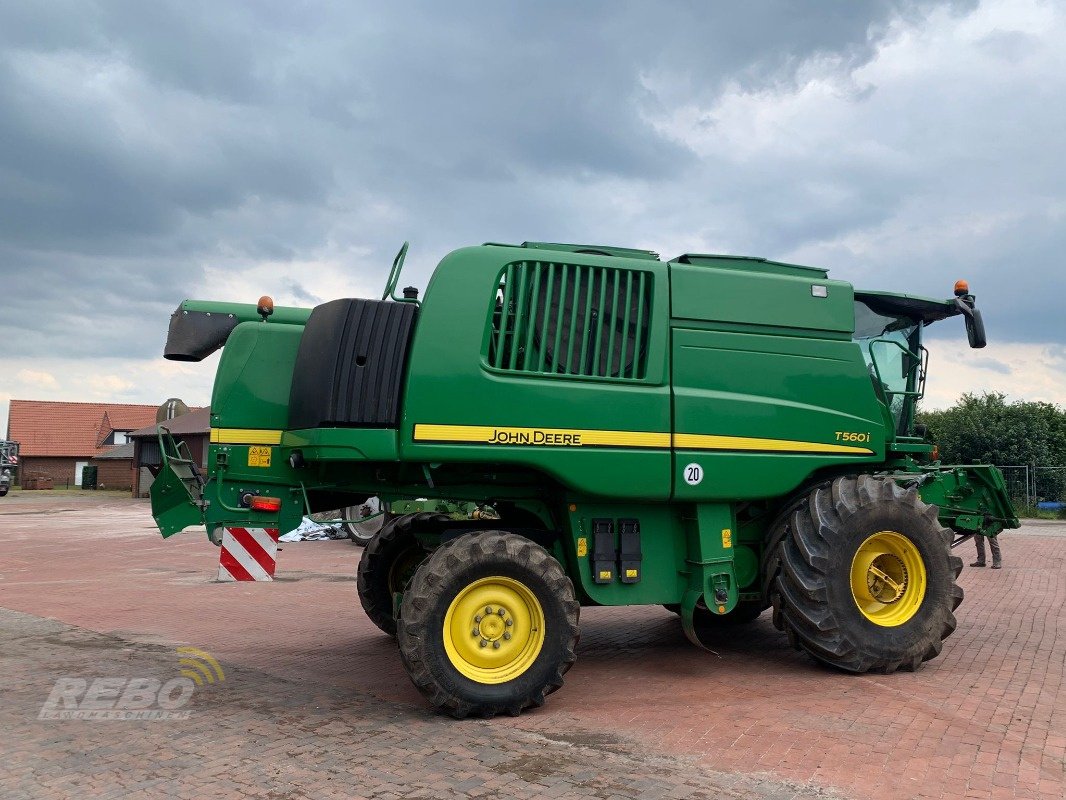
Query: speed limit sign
pixel 693 474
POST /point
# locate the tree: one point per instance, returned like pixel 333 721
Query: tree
pixel 986 429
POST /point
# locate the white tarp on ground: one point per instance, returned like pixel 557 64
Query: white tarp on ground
pixel 311 531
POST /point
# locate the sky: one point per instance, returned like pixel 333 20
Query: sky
pixel 152 152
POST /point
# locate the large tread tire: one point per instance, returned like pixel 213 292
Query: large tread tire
pixel 813 597
pixel 447 572
pixel 376 579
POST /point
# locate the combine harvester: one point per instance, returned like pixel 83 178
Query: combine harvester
pixel 716 434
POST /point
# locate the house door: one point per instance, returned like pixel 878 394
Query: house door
pixel 78 467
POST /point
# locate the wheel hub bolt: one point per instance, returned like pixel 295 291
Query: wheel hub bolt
pixel 475 633
pixel 484 642
pixel 496 645
pixel 506 634
pixel 477 618
pixel 501 612
pixel 488 609
pixel 508 622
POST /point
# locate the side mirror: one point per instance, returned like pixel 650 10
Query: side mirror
pixel 975 330
pixel 975 326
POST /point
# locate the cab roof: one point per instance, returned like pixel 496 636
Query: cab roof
pixel 925 309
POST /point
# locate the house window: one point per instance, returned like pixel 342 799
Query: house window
pixel 571 320
pixel 120 437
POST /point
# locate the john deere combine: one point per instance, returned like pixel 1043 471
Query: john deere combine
pixel 716 434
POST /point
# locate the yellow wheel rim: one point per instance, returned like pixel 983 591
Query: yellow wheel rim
pixel 494 630
pixel 888 579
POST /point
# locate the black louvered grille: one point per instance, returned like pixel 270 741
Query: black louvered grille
pixel 569 319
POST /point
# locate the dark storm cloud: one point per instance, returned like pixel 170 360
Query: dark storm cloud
pixel 142 142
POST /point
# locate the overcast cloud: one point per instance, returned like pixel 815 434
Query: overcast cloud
pixel 155 151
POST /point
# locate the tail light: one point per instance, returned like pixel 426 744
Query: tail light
pixel 270 504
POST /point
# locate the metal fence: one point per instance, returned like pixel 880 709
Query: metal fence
pixel 1030 484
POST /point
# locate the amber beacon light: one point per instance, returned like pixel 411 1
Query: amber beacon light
pixel 266 305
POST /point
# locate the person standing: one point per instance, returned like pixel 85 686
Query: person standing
pixel 993 542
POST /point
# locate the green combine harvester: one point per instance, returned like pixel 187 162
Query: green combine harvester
pixel 714 434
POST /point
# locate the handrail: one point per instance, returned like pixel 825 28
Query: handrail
pixel 394 278
pixel 920 359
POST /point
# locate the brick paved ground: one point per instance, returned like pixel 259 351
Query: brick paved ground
pixel 316 688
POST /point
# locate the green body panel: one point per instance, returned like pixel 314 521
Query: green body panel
pixel 177 491
pixel 743 368
pixel 344 444
pixel 663 551
pixel 173 508
pixel 255 377
pixel 449 383
pixel 710 557
pixel 776 388
pixel 718 292
pixel 247 312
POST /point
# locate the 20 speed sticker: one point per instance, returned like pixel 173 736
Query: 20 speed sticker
pixel 693 474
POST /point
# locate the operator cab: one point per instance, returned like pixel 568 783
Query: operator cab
pixel 888 328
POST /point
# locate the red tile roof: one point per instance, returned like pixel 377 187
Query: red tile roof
pixel 47 428
pixel 123 418
pixel 128 418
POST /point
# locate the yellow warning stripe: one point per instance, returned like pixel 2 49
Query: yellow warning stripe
pixel 580 437
pixel 244 436
pixel 706 441
pixel 551 437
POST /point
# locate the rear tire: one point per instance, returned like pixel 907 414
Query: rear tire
pixel 388 563
pixel 361 532
pixel 867 579
pixel 488 625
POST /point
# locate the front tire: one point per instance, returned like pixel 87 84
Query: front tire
pixel 488 625
pixel 867 579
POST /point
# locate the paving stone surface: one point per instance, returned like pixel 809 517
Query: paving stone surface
pixel 316 704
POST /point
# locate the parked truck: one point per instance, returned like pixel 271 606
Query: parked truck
pixel 716 434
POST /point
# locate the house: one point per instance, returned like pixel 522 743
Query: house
pixel 58 439
pixel 194 429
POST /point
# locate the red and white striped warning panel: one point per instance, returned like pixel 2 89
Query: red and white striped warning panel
pixel 248 554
